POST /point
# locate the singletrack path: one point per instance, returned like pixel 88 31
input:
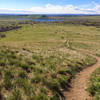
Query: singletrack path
pixel 79 83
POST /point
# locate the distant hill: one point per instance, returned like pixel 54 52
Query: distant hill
pixel 41 16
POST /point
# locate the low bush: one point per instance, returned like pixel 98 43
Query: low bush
pixel 2 35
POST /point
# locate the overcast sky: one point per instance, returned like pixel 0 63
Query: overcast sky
pixel 50 6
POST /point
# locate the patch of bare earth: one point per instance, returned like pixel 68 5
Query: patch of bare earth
pixel 78 90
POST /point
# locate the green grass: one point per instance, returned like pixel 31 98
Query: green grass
pixel 94 85
pixel 28 74
pixel 50 35
pixel 40 59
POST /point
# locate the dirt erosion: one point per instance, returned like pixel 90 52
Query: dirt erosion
pixel 78 90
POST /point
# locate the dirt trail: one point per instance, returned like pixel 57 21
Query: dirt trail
pixel 79 83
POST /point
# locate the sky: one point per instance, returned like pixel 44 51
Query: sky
pixel 50 6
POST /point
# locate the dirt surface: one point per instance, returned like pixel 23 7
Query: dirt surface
pixel 78 90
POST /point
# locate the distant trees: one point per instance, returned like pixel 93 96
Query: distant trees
pixel 7 28
pixel 44 17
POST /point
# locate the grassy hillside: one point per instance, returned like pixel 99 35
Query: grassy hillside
pixel 38 61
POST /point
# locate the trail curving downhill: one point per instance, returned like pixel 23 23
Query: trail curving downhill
pixel 79 83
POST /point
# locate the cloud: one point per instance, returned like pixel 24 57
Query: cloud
pixel 14 11
pixel 56 9
pixel 68 9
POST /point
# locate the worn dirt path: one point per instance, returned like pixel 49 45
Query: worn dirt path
pixel 79 83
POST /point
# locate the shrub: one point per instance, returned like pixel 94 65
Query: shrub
pixel 22 74
pixel 9 74
pixel 26 67
pixel 38 58
pixel 3 62
pixel 43 90
pixel 36 79
pixel 16 95
pixel 8 83
pixel 53 85
pixel 55 98
pixel 62 71
pixel 41 96
pixel 2 35
pixel 24 83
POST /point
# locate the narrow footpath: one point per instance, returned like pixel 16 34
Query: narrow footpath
pixel 79 83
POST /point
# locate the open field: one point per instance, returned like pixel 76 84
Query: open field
pixel 38 61
pixel 57 35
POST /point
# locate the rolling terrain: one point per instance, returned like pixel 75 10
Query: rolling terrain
pixel 39 60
